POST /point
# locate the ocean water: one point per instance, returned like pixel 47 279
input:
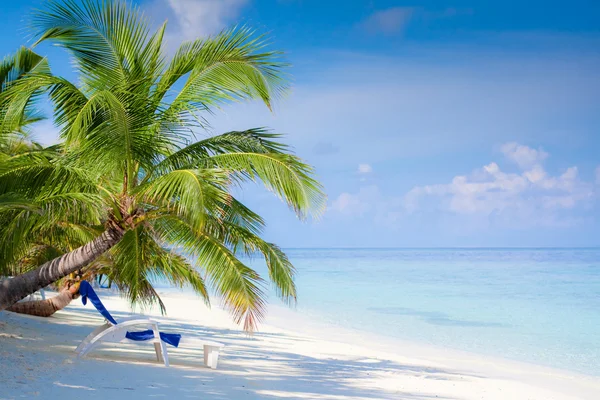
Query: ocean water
pixel 534 305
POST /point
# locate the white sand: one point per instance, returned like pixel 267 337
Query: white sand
pixel 305 361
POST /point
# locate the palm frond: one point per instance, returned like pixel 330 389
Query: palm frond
pixel 24 228
pixel 240 287
pixel 105 37
pixel 139 259
pixel 254 155
pixel 188 193
pixel 15 66
pixel 36 179
pixel 13 201
pixel 258 140
pixel 284 174
pixel 239 238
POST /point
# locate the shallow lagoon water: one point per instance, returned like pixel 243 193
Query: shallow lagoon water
pixel 533 305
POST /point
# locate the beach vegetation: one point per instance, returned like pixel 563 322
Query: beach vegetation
pixel 138 187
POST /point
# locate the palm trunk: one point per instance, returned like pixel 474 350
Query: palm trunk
pixel 45 308
pixel 17 288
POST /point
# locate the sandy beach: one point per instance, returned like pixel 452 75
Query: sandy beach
pixel 307 360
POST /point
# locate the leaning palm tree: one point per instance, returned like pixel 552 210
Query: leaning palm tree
pixel 130 161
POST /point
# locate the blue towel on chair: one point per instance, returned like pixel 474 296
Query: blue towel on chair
pixel 87 292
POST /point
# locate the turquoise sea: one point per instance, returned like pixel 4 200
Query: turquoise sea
pixel 533 305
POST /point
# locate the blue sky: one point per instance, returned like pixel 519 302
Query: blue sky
pixel 471 125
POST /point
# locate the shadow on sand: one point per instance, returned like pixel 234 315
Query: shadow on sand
pixel 250 367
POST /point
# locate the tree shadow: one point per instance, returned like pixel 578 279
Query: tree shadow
pixel 261 366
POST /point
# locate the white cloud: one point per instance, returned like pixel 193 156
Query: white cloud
pixel 388 21
pixel 356 204
pixel 523 156
pixel 191 19
pixel 45 132
pixel 532 196
pixel 393 20
pixel 536 174
pixel 368 202
pixel 364 169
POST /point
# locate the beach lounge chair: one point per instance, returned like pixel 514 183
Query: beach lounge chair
pixel 113 331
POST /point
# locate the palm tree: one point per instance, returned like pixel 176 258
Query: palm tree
pixel 129 161
pixel 15 141
pixel 16 146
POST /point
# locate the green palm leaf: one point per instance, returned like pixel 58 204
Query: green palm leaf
pixel 240 287
pixel 188 193
pixel 104 37
pixel 129 160
pixel 284 174
pixel 139 259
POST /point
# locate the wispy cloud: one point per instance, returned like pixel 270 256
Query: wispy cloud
pixel 45 132
pixel 522 155
pixel 388 21
pixel 365 169
pixel 357 204
pixel 365 172
pixel 370 202
pixel 448 100
pixel 190 19
pixel 393 20
pixel 449 12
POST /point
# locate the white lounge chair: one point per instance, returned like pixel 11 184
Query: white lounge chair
pixel 113 331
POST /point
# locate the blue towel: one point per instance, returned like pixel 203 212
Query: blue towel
pixel 87 292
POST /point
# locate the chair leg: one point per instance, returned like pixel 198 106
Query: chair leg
pixel 165 355
pixel 85 342
pixel 159 347
pixel 158 352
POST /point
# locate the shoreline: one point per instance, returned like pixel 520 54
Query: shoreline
pixel 290 321
pixel 303 360
pixel 354 334
pixel 429 353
